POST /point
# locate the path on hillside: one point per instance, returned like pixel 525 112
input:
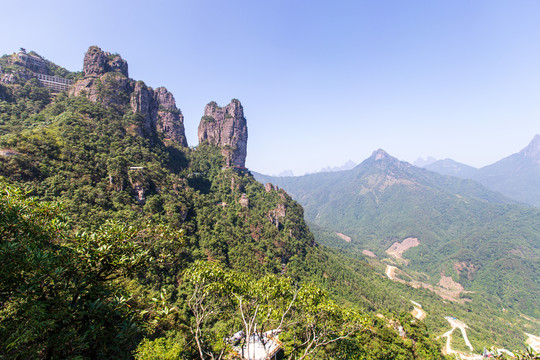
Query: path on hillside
pixel 390 271
pixel 462 326
pixel 418 312
pixel 455 323
pixel 533 341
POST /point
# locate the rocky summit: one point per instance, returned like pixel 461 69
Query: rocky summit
pixel 532 151
pixel 106 81
pixel 98 62
pixel 226 127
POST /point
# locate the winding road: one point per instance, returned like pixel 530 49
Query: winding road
pixel 455 323
pixel 418 312
pixel 390 271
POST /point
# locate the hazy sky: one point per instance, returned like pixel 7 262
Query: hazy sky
pixel 321 82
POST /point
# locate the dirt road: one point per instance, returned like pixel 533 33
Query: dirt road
pixel 390 271
pixel 455 323
pixel 418 312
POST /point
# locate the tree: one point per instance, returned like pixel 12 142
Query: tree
pixel 61 295
pixel 304 315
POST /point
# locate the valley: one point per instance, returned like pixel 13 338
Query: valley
pixel 127 243
pixel 452 237
pixel 138 219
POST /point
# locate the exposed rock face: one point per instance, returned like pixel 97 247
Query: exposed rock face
pixel 170 120
pixel 277 214
pixel 106 81
pixel 160 111
pixel 244 201
pixel 97 62
pixel 532 151
pixel 8 78
pixel 226 127
pixel 105 78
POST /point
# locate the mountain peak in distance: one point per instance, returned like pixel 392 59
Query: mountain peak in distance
pixel 380 154
pixel 532 150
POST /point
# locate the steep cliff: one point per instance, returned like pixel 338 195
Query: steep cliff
pixel 226 127
pixel 159 109
pixel 106 80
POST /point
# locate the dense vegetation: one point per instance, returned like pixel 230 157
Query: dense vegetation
pixel 481 240
pixel 116 234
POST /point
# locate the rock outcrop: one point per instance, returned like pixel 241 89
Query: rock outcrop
pixel 226 127
pixel 106 81
pixel 159 109
pixel 532 151
pixel 97 62
pixel 105 78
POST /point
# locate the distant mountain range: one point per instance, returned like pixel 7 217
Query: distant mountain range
pixel 347 166
pixel 452 168
pixel 463 230
pixel 516 176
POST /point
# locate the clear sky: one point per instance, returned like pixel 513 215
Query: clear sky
pixel 321 82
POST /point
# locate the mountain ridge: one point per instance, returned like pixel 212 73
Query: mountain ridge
pixel 515 176
pixel 384 200
pixel 107 162
pixel 106 151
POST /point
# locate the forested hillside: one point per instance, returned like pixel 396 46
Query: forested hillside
pixel 464 242
pixel 120 241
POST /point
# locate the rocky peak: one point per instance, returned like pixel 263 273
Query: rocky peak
pixel 170 120
pixel 381 161
pixel 97 62
pixel 159 109
pixel 380 154
pixel 106 81
pixel 533 149
pixel 226 127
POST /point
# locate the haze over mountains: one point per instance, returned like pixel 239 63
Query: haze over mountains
pixel 114 149
pixel 516 176
pixel 142 211
pixel 464 230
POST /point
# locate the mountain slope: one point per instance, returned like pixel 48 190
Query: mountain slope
pixel 452 168
pixel 113 149
pixel 516 176
pixel 464 230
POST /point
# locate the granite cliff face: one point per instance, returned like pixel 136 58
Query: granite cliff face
pixel 159 109
pixel 106 80
pixel 226 127
pixel 97 62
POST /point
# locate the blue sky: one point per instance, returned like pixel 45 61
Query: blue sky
pixel 321 82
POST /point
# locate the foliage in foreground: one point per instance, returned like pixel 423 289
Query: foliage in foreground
pixel 76 295
pixel 60 294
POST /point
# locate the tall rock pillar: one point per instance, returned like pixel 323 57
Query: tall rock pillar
pixel 226 127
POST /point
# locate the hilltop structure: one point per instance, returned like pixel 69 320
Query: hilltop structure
pixel 33 65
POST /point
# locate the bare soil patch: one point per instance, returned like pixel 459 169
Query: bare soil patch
pixel 448 283
pixel 369 253
pixel 344 237
pixel 465 267
pixel 398 248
